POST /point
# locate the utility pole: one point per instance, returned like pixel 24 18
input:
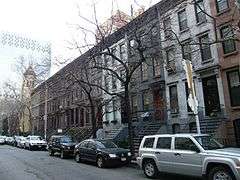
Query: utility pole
pixel 45 111
pixel 192 98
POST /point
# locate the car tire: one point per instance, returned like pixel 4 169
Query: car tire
pixel 220 172
pixel 50 152
pixel 77 158
pixel 150 169
pixel 62 155
pixel 100 162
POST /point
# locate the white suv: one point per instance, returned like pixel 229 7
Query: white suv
pixel 188 154
pixel 35 142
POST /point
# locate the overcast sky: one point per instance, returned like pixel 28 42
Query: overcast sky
pixel 49 20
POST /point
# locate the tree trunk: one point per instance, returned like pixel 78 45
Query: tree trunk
pixel 129 120
pixel 93 118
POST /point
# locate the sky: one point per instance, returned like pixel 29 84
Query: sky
pixel 51 21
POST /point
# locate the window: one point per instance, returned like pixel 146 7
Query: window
pixel 170 55
pixel 122 75
pixel 107 112
pixel 114 82
pixel 132 44
pixel 164 143
pixel 123 52
pixel 234 87
pixel 199 11
pixel 221 5
pixel 106 83
pixel 182 19
pixel 205 47
pixel 148 143
pixel 114 103
pixel 146 101
pixel 167 27
pixel 182 143
pixel 186 51
pixel 87 115
pixel 114 52
pixel 228 44
pixel 156 67
pixel 106 60
pixel 144 70
pixel 173 99
pixel 134 104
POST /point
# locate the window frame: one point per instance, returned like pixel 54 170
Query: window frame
pixel 225 41
pixel 204 47
pixel 164 137
pixel 198 14
pixel 230 88
pixel 217 6
pixel 180 21
pixel 170 98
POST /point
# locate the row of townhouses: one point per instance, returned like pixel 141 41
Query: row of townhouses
pixel 202 31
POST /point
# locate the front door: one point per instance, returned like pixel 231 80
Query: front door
pixel 236 124
pixel 211 96
pixel 158 103
pixel 186 158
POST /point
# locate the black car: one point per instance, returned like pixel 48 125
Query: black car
pixel 102 152
pixel 61 144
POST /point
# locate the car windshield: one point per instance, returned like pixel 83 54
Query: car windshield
pixel 208 143
pixel 105 144
pixel 66 140
pixel 35 138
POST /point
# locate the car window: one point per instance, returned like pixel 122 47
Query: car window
pixel 91 145
pixel 164 143
pixel 105 144
pixel 148 143
pixel 83 144
pixel 183 143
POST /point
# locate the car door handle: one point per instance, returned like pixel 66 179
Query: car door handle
pixel 177 154
pixel 157 153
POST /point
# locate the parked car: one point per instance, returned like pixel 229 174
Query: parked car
pixel 9 140
pixel 2 140
pixel 17 140
pixel 21 142
pixel 188 154
pixel 35 142
pixel 102 152
pixel 61 144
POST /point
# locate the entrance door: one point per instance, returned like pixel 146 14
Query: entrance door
pixel 211 96
pixel 236 124
pixel 158 103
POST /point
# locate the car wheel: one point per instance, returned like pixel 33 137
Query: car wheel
pixel 220 173
pixel 150 169
pixel 50 152
pixel 100 162
pixel 62 155
pixel 77 158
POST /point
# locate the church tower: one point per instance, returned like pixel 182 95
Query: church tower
pixel 29 79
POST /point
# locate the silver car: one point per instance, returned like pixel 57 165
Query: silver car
pixel 188 154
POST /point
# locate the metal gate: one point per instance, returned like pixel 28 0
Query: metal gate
pixel 236 124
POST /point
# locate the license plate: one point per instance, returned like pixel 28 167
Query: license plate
pixel 123 159
pixel 39 146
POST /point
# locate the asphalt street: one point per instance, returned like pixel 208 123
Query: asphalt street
pixel 20 164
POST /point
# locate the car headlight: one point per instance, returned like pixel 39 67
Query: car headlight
pixel 112 155
pixel 129 154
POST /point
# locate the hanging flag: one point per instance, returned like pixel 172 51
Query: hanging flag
pixel 192 99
